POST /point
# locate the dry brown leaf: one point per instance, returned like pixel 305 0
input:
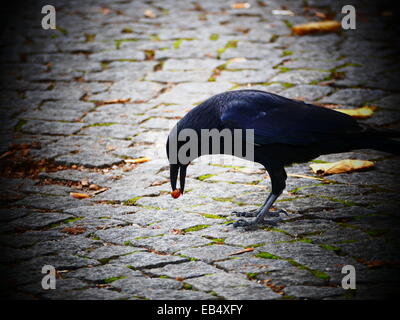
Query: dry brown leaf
pixel 342 166
pixel 94 187
pixel 105 11
pixel 77 195
pixel 178 231
pixel 316 27
pixel 6 154
pixel 240 5
pixel 320 15
pixel 158 183
pixel 137 160
pixel 74 230
pixel 85 182
pixel 100 191
pixel 116 101
pixel 242 251
pixel 359 113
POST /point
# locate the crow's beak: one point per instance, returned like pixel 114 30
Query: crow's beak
pixel 173 174
pixel 182 177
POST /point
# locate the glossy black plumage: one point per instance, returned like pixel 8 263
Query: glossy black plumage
pixel 285 131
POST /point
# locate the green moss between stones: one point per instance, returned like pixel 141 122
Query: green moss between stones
pixel 187 286
pixel 316 273
pixel 205 176
pixel 20 124
pixel 104 124
pixel 286 53
pixel 214 37
pixel 228 199
pixel 212 216
pixel 196 228
pixel 251 276
pixel 131 202
pixel 69 220
pixel 267 255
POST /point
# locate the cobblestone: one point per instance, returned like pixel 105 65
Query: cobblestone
pixel 106 87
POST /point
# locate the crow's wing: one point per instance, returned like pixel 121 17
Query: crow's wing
pixel 276 119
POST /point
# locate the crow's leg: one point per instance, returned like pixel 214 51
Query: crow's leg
pixel 255 212
pixel 278 178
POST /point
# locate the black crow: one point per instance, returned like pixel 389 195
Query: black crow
pixel 285 131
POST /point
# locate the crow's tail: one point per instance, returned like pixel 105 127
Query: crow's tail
pixel 380 139
pixel 386 145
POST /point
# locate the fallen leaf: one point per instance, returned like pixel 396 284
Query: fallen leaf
pixel 94 187
pixel 359 113
pixel 77 195
pixel 100 191
pixel 320 15
pixel 74 230
pixel 158 183
pixel 236 60
pixel 342 166
pixel 178 231
pixel 137 160
pixel 304 176
pixel 115 101
pixel 240 5
pixel 242 251
pixel 85 182
pixel 316 27
pixel 282 13
pixel 6 154
pixel 105 11
pixel 149 14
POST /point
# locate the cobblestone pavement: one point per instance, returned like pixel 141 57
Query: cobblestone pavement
pixel 108 85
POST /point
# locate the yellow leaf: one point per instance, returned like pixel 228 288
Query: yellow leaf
pixel 360 113
pixel 137 160
pixel 316 27
pixel 79 195
pixel 241 5
pixel 342 166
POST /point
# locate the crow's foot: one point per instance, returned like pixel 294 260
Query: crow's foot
pixel 253 223
pixel 248 214
pixel 254 213
pixel 245 224
pixel 276 213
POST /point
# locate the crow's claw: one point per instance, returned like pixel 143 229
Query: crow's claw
pixel 271 222
pixel 283 211
pixel 244 224
pixel 273 213
pixel 246 213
